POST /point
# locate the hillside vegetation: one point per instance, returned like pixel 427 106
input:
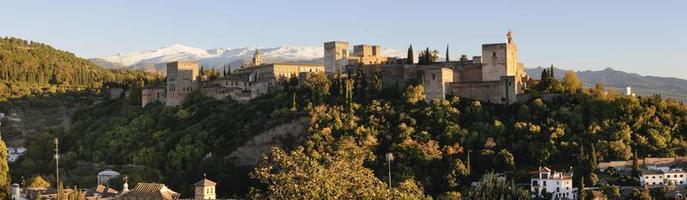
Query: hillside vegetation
pixel 618 80
pixel 353 125
pixel 31 68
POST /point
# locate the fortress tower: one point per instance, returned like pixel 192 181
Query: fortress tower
pixel 205 189
pixel 335 56
pixel 181 77
pixel 499 59
pixel 257 58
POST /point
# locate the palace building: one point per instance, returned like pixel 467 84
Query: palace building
pixel 495 77
pixel 245 84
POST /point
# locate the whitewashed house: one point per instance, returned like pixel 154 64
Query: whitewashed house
pixel 558 184
pixel 653 177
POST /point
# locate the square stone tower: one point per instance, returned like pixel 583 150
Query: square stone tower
pixel 181 80
pixel 366 50
pixel 335 56
pixel 205 189
pixel 499 60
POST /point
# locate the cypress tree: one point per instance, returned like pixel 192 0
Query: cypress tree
pixel 447 59
pixel 635 165
pixel 580 190
pixel 428 56
pixel 410 57
pixel 592 158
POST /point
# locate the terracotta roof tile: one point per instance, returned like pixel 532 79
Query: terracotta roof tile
pixel 149 191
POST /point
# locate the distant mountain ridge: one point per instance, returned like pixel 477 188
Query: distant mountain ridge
pixel 641 85
pixel 216 58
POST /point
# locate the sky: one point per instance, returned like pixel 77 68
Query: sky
pixel 645 37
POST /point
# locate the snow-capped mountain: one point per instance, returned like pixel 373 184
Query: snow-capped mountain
pixel 216 58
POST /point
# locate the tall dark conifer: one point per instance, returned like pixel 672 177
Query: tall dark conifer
pixel 411 56
pixel 447 57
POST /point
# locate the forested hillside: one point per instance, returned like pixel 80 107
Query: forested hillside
pixel 30 68
pixel 173 145
pixel 354 124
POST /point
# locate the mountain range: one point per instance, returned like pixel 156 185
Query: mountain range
pixel 640 85
pixel 217 58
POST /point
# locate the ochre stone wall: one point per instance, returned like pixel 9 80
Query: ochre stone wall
pixel 489 91
pixel 149 95
pixel 468 73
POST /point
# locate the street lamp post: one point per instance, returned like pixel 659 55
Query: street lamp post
pixel 57 166
pixel 389 158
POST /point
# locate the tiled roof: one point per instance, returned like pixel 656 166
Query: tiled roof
pixel 205 182
pixel 149 191
pixel 544 169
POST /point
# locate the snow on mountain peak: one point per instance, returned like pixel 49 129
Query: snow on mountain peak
pixel 218 57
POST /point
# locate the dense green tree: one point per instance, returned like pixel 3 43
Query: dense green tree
pixel 492 188
pixel 299 174
pixel 570 82
pixel 317 85
pixel 4 171
pixel 38 182
pixel 611 191
pixel 640 194
pixel 415 94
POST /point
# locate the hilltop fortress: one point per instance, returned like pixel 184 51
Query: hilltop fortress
pixel 495 77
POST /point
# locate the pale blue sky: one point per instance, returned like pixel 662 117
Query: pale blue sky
pixel 646 37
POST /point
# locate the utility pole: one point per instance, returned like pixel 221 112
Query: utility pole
pixel 469 167
pixel 389 158
pixel 57 166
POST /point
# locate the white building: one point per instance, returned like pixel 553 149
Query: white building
pixel 663 177
pixel 106 175
pixel 13 153
pixel 205 189
pixel 558 184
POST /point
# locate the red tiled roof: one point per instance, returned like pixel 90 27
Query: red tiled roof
pixel 149 191
pixel 205 182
